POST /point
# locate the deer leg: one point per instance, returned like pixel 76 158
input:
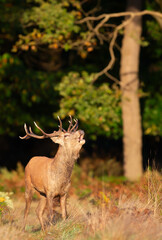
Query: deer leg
pixel 50 206
pixel 63 206
pixel 28 199
pixel 40 210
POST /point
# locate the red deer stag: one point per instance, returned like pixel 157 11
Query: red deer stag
pixel 50 177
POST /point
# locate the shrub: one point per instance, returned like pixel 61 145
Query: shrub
pixel 5 202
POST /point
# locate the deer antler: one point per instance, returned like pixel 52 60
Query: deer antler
pixel 29 133
pixel 71 128
pixel 60 126
pixel 71 123
pixel 75 127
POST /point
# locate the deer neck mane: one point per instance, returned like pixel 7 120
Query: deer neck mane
pixel 65 159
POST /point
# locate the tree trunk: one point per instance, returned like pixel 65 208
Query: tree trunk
pixel 132 131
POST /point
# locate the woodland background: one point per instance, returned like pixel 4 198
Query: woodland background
pixel 69 57
pixel 47 68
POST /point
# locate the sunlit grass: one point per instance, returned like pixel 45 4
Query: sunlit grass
pixel 131 219
pixel 117 211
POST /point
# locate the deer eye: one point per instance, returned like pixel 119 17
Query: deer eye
pixel 66 136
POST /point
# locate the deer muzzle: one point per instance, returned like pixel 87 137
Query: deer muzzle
pixel 81 137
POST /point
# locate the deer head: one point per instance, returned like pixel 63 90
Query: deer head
pixel 72 137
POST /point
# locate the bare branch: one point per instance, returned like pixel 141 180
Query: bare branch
pixel 112 78
pixel 111 46
pixel 95 9
pixel 103 18
pixel 122 14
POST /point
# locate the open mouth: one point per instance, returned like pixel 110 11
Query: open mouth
pixel 81 137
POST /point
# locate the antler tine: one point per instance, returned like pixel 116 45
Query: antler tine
pixel 62 129
pixel 60 126
pixel 71 123
pixel 25 127
pixel 54 134
pixel 26 130
pixel 75 127
pixel 40 128
pixel 30 130
pixel 29 133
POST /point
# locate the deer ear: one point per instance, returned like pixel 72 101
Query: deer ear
pixel 58 140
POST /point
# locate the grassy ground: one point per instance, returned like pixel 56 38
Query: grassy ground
pixel 96 210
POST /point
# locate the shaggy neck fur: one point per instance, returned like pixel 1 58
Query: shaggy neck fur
pixel 64 160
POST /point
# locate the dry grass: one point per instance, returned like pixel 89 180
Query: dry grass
pixel 131 219
pixel 133 214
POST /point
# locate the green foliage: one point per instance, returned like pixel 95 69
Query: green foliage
pixel 21 92
pixel 83 193
pixel 10 12
pixel 5 202
pixel 113 179
pixel 97 106
pixel 152 104
pixel 27 94
pixel 50 22
pixel 53 24
pixel 155 35
pixel 152 116
pixel 109 168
